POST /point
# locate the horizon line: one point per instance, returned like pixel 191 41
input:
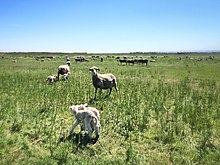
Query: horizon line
pixel 134 52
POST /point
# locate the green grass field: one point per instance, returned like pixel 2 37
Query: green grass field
pixel 164 113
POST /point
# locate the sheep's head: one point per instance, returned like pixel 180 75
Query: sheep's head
pixel 56 78
pixel 94 70
pixel 68 63
pixel 74 109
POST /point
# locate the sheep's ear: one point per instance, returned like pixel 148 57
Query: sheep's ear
pixel 94 67
pixel 72 108
pixel 86 105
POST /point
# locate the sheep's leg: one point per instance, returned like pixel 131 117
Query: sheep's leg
pixel 90 132
pixel 74 126
pixel 115 85
pixel 100 93
pixel 87 124
pixel 116 88
pixel 97 129
pixel 110 91
pixel 95 93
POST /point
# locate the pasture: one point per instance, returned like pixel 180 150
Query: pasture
pixel 167 112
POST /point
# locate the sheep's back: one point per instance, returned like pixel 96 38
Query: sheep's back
pixel 94 110
pixel 63 69
pixel 107 76
pixel 104 81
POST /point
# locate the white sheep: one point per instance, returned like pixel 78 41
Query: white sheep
pixel 103 81
pixel 51 79
pixel 64 69
pixel 86 107
pixel 88 118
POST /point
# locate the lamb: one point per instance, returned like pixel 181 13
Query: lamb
pixel 89 119
pixel 103 81
pixel 86 107
pixel 51 79
pixel 64 69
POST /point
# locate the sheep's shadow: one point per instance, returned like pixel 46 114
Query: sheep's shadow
pixel 92 100
pixel 80 139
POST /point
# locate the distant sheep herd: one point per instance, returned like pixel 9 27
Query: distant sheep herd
pixel 133 61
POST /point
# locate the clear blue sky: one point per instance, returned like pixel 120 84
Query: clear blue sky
pixel 101 26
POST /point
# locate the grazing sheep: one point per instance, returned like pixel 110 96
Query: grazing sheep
pixel 103 81
pixel 88 118
pixel 51 79
pixel 64 69
pixel 122 61
pixel 130 62
pixel 155 60
pixel 80 59
pixel 142 61
pixel 101 59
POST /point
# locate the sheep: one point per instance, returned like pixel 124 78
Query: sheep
pixel 122 61
pixel 88 118
pixel 64 69
pixel 130 61
pixel 86 107
pixel 51 79
pixel 103 81
pixel 142 61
